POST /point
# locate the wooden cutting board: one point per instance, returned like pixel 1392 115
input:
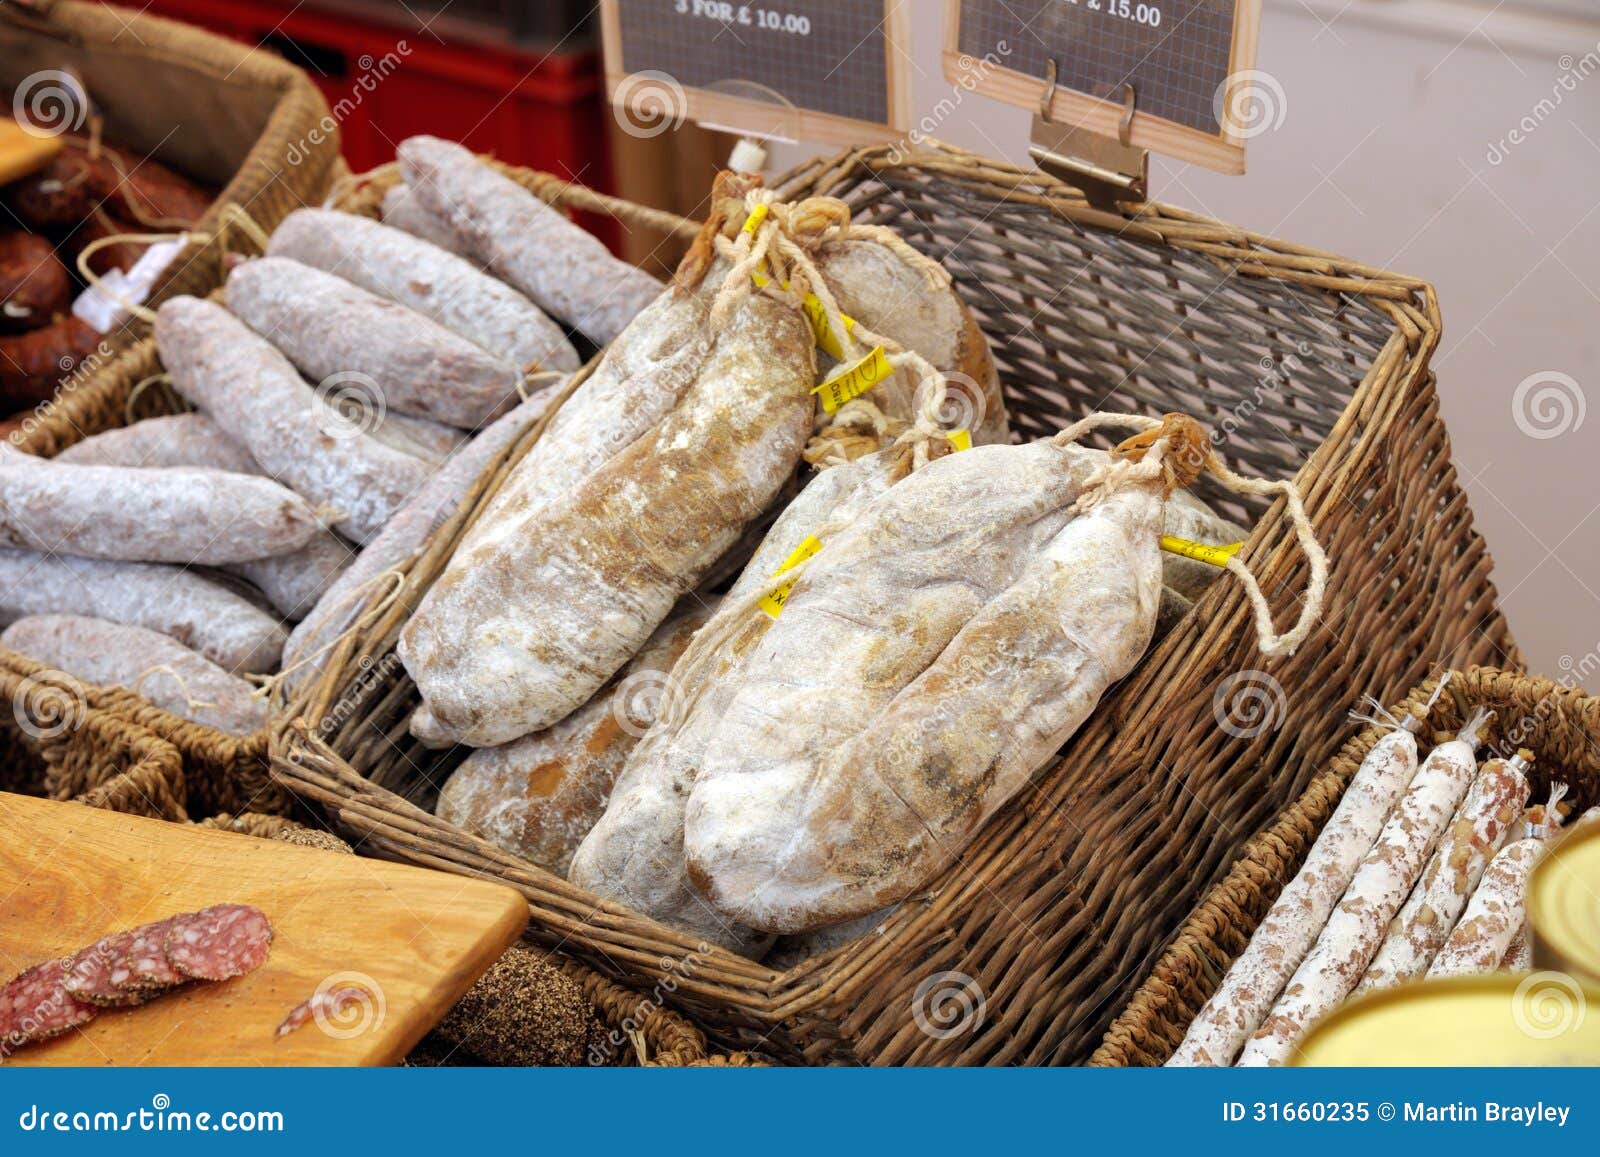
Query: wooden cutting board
pixel 415 940
pixel 22 152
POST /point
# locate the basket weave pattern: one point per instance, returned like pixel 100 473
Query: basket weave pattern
pixel 1312 367
pixel 1560 724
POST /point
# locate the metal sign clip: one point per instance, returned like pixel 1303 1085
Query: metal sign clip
pixel 1106 170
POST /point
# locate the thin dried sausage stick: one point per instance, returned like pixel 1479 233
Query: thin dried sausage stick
pixel 524 242
pixel 1286 934
pixel 1388 872
pixel 1479 829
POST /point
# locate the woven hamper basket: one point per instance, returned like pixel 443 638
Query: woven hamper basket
pixel 1308 366
pixel 247 121
pixel 224 773
pixel 1559 723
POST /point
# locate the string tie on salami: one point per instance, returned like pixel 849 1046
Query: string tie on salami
pixel 1182 452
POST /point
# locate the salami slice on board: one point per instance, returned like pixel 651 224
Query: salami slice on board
pixel 35 1007
pixel 218 943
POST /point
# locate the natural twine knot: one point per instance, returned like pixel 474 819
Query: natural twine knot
pixel 1187 453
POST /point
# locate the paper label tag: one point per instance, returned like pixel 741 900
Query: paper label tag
pixel 1200 551
pixel 854 380
pixel 773 603
pixel 753 222
pixel 960 439
pixel 821 332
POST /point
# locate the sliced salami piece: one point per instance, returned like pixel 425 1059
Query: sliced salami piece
pixel 325 1005
pixel 218 943
pixel 89 974
pixel 35 1007
pixel 144 968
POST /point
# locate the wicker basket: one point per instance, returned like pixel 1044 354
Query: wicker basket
pixel 246 120
pixel 1314 367
pixel 1559 723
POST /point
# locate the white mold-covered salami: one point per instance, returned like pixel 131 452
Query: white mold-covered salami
pixel 432 281
pixel 199 613
pixel 1519 957
pixel 401 210
pixel 160 668
pixel 405 534
pixel 520 633
pixel 1283 938
pixel 293 583
pixel 1480 827
pixel 538 796
pixel 336 332
pixel 168 440
pixel 524 242
pixel 893 297
pixel 788 846
pixel 167 514
pixel 253 392
pixel 635 854
pixel 1387 873
pixel 1497 910
pixel 423 438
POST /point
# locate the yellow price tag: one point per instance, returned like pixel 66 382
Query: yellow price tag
pixel 854 380
pixel 960 439
pixel 753 222
pixel 773 603
pixel 1200 551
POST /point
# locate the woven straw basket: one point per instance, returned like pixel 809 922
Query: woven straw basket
pixel 1560 724
pixel 248 121
pixel 1311 366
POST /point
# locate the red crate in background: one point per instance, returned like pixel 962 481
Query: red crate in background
pixel 386 79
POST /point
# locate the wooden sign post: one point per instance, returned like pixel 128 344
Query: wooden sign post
pixel 1174 76
pixel 831 71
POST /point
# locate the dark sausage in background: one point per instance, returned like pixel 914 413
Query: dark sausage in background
pixel 146 191
pixel 101 224
pixel 57 196
pixel 33 363
pixel 34 284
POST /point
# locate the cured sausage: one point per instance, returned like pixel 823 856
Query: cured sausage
pixel 218 943
pixel 33 364
pixel 403 211
pixel 171 514
pixel 57 196
pixel 405 534
pixel 168 440
pixel 524 242
pixel 253 392
pixel 432 281
pixel 1494 915
pixel 35 1007
pixel 1286 934
pixel 160 668
pixel 34 285
pixel 337 332
pixel 199 613
pixel 531 627
pixel 125 968
pixel 295 582
pixel 1495 802
pixel 1387 873
pixel 538 796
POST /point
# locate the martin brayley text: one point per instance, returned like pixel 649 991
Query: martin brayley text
pixel 1537 1113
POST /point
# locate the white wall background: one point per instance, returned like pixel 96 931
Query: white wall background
pixel 1390 109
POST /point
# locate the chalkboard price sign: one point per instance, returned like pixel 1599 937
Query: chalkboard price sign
pixel 818 70
pixel 1190 64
